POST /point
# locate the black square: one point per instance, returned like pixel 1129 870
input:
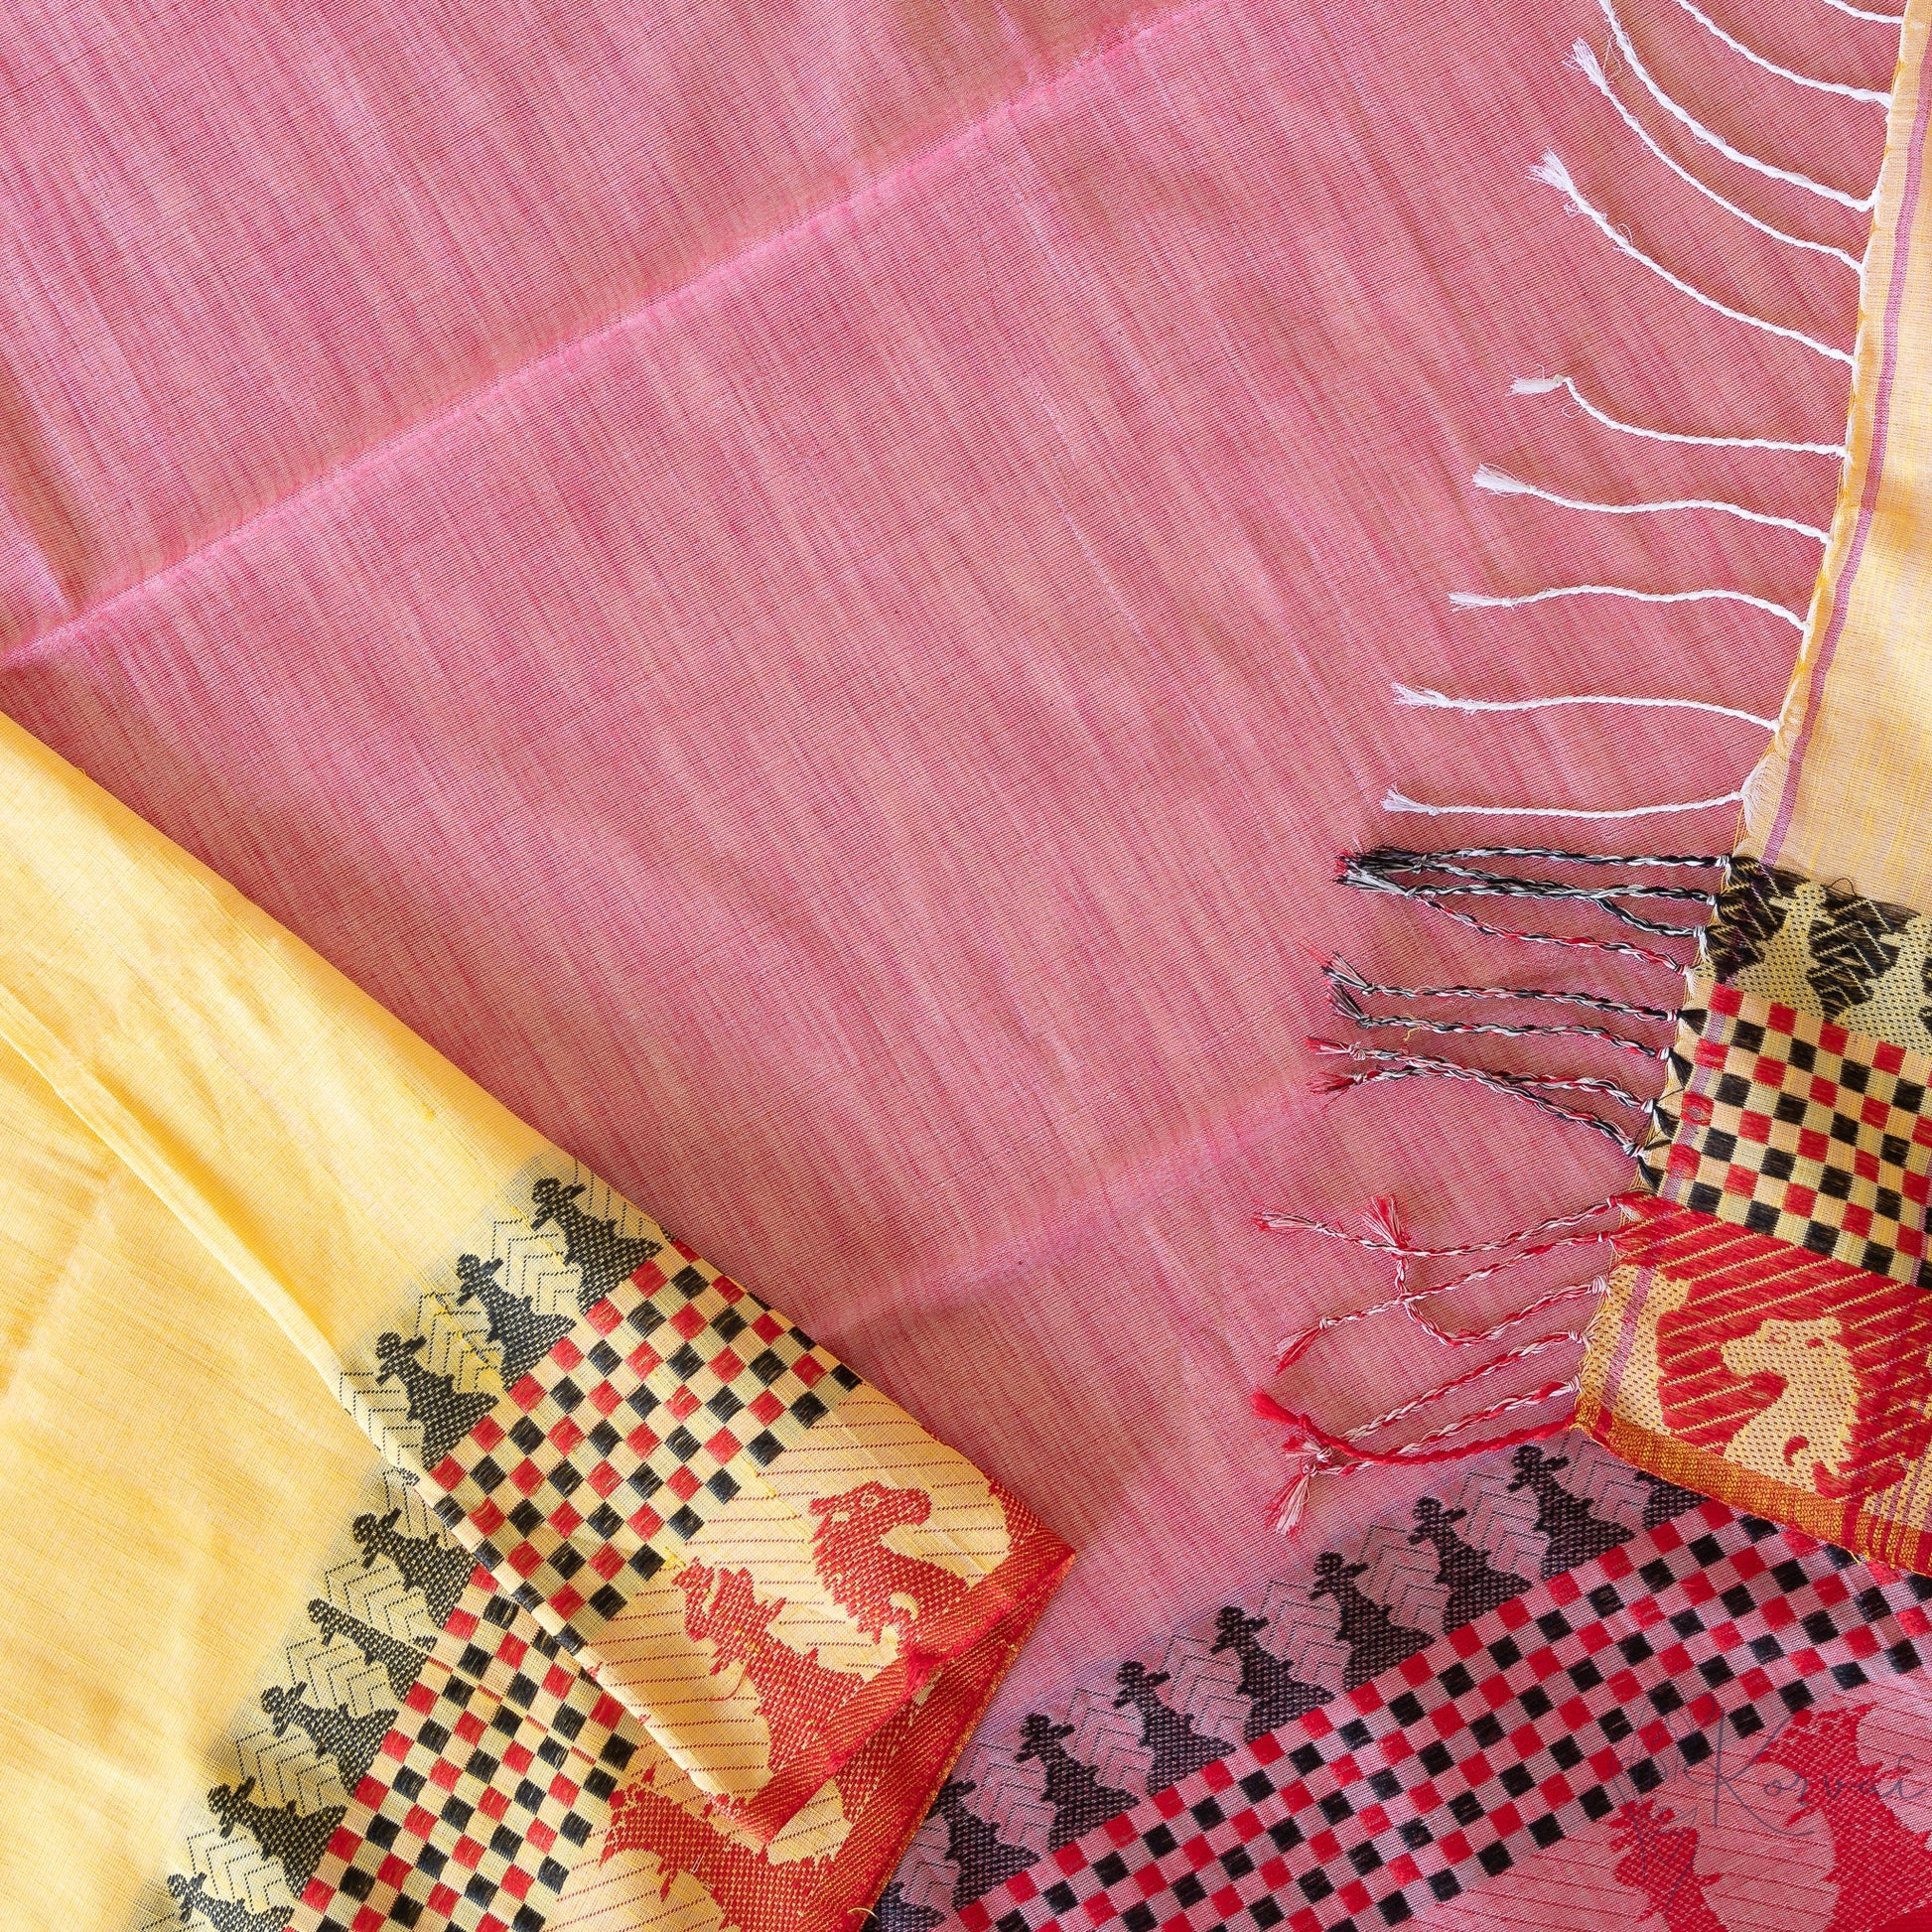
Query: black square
pixel 1595 1803
pixel 1457 1681
pixel 1667 1698
pixel 1466 1808
pixel 1160 1840
pixel 525 1434
pixel 1445 1884
pixel 1656 1575
pixel 1190 1889
pixel 808 1409
pixel 553 1875
pixel 357 1884
pixel 1585 1676
pixel 767 1367
pixel 1335 1807
pixel 1555 1625
pixel 686 1523
pixel 646 1563
pixel 1716 1671
pixel 765 1449
pixel 1694 1749
pixel 1138 1917
pixel 724 1485
pixel 600 1784
pixel 1516 1779
pixel 525 1517
pixel 506 1841
pixel 1566 1752
pixel 1494 1859
pixel 1644 1774
pixel 1111 1870
pixel 688 1282
pixel 728 1325
pixel 456 1812
pixel 1536 1702
pixel 1237 1863
pixel 1395 1908
pixel 1487 1729
pixel 1605 1600
pixel 1616 1725
pixel 1635 1648
pixel 1903 1656
pixel 405 1912
pixel 685 1362
pixel 1307 1759
pixel 1414 1833
pixel 1385 1784
pixel 1505 1652
pixel 1208 1814
pixel 1747 1722
pixel 1284 1833
pixel 1060 1898
pixel 1315 1885
pixel 566 1395
pixel 1766 1648
pixel 568 1721
pixel 528 1919
pixel 576 1827
pixel 1545 1829
pixel 1256 1786
pixel 1819 1628
pixel 1706 1550
pixel 1354 1735
pixel 1847 1677
pixel 1267 1914
pixel 1435 1757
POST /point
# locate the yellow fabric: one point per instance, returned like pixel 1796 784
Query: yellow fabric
pixel 1862 735
pixel 170 1476
pixel 270 1476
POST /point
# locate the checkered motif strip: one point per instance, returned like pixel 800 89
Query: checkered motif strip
pixel 500 1766
pixel 634 1431
pixel 1495 1742
pixel 1790 1126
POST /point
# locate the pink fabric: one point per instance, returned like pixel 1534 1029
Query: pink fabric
pixel 810 596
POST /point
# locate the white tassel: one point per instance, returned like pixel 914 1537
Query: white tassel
pixel 1582 56
pixel 1500 484
pixel 1758 60
pixel 1480 601
pixel 1551 171
pixel 1424 699
pixel 1395 801
pixel 1543 386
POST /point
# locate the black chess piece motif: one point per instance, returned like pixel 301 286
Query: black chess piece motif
pixel 402 1661
pixel 1665 1499
pixel 222 1914
pixel 602 1257
pixel 1180 1750
pixel 295 1839
pixel 1475 1585
pixel 1276 1696
pixel 983 1858
pixel 351 1740
pixel 895 1913
pixel 1079 1800
pixel 446 1414
pixel 1753 902
pixel 438 1569
pixel 1376 1642
pixel 1575 1531
pixel 524 1336
pixel 1853 943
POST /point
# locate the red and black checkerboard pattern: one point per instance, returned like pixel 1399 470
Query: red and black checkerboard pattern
pixel 1492 1745
pixel 500 1766
pixel 1786 1124
pixel 634 1431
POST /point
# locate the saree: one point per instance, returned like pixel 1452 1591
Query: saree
pixel 545 1570
pixel 812 609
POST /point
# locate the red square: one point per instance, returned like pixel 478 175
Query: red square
pixel 603 1478
pixel 524 1559
pixel 470 1727
pixel 542 1836
pixel 566 1434
pixel 726 1365
pixel 1832 1038
pixel 442 1901
pixel 517 1756
pixel 1022 1886
pixel 605 1316
pixel 1720 999
pixel 604 1398
pixel 723 1446
pixel 527 1477
pixel 567 1603
pixel 809 1369
pixel 516 1881
pixel 640 1442
pixel 767 1327
pixel 1753 1126
pixel 1888 1059
pixel 493 1803
pixel 767 1407
pixel 565 1520
pixel 558 1680
pixel 682 1484
pixel 527 1393
pixel 1513 1614
pixel 566 1354
pixel 369 1919
pixel 682 1403
pixel 1456 1848
pixel 688 1322
pixel 445 1773
pixel 1858 1221
pixel 608 1561
pixel 645 1522
pixel 643 1359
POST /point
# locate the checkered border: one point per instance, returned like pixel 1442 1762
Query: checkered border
pixel 1788 1124
pixel 660 1404
pixel 1497 1741
pixel 500 1765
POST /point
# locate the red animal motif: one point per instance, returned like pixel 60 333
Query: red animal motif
pixel 1659 1860
pixel 796 1693
pixel 876 1584
pixel 1883 1872
pixel 753 1895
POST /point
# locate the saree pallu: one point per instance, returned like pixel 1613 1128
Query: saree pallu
pixel 404 1530
pixel 1766 1338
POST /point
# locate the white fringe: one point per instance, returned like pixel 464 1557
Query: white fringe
pixel 1758 60
pixel 1543 386
pixel 1558 175
pixel 1395 801
pixel 1477 600
pixel 1500 484
pixel 1859 13
pixel 1424 699
pixel 1582 56
pixel 1863 205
